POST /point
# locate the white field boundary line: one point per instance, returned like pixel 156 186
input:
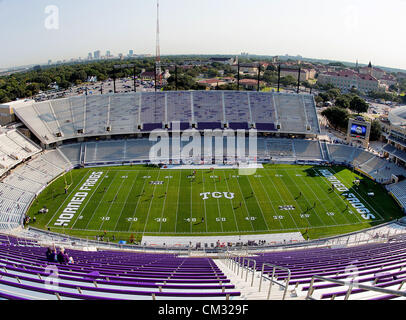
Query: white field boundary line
pixel 91 199
pixel 128 195
pixel 281 199
pixel 382 219
pixel 338 195
pixel 231 203
pixel 306 200
pixel 225 232
pixel 322 202
pixel 68 197
pixel 150 203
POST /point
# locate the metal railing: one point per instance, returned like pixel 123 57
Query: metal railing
pixel 236 262
pixel 351 285
pixel 248 269
pixel 272 281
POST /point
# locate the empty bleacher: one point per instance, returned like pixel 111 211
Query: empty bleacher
pixel 72 152
pixel 398 190
pixel 14 148
pixel 89 116
pixel 109 275
pixel 379 265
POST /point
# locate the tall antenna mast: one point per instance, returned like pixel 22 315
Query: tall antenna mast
pixel 158 69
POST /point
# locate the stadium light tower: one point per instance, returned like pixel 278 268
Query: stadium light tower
pixel 158 69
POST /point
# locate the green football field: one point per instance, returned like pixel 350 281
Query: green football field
pixel 139 200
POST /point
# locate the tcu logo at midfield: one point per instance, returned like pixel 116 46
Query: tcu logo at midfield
pixel 217 195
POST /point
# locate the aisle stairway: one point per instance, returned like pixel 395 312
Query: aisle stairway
pixel 243 283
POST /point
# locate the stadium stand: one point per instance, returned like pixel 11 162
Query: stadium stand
pixel 398 190
pixel 392 151
pixel 376 167
pixel 14 148
pixel 237 110
pixel 81 121
pixel 290 150
pixel 377 266
pixel 108 275
pixel 72 152
pixel 92 116
pixel 123 115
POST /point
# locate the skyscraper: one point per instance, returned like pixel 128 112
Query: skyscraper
pixel 97 54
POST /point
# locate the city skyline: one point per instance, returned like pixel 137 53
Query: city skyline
pixel 342 31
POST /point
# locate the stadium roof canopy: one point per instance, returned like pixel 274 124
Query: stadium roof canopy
pixel 397 117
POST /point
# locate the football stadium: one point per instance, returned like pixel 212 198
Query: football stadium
pixel 102 176
pixel 226 180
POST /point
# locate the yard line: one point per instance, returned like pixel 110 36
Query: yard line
pixel 304 198
pixel 111 204
pixel 311 189
pixel 338 195
pixel 246 207
pixel 136 207
pixel 218 204
pixel 270 202
pixel 150 203
pixel 260 208
pixel 177 203
pixel 128 195
pixel 91 199
pixel 382 219
pixel 280 196
pixel 191 201
pixel 204 202
pixel 100 202
pixel 163 207
pixel 68 197
pixel 231 203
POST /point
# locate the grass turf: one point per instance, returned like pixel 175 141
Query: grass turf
pixel 126 203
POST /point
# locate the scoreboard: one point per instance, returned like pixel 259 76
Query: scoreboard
pixel 359 131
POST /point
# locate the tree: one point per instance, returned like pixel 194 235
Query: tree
pixel 337 117
pixel 376 130
pixel 212 73
pixel 358 105
pixel 3 96
pixel 288 80
pixel 342 101
pixel 335 92
pixel 318 99
pixel 325 96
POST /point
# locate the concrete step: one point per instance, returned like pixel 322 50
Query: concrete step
pixel 249 287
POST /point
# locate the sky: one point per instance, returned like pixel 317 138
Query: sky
pixel 33 31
